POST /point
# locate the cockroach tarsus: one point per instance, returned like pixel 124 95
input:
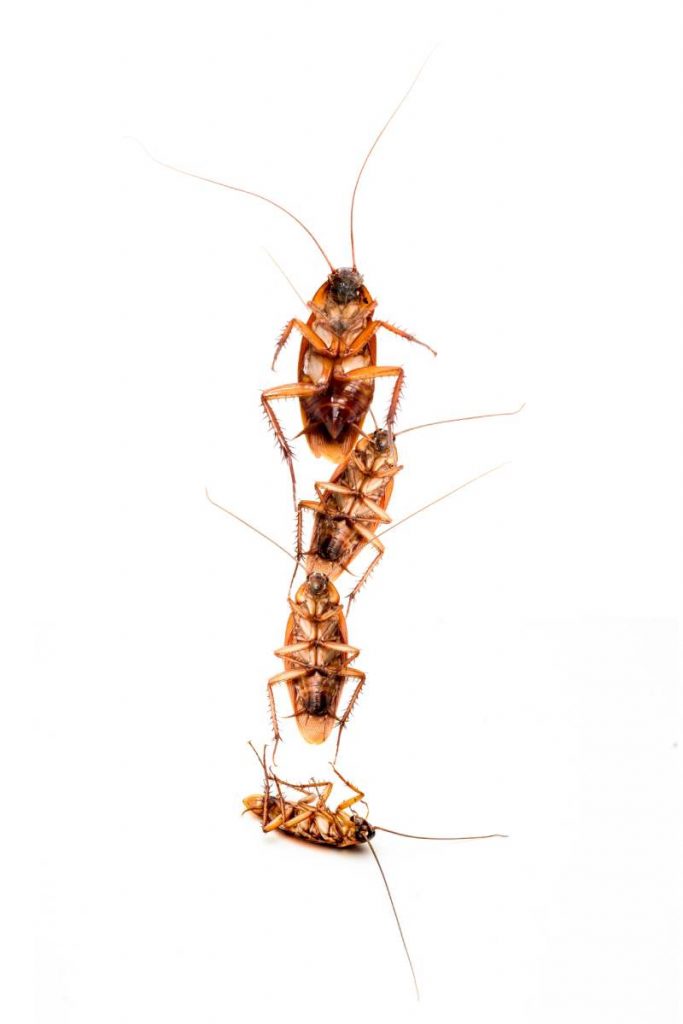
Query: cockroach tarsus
pixel 311 819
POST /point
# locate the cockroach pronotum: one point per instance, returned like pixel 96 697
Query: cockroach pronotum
pixel 317 659
pixel 311 819
pixel 337 366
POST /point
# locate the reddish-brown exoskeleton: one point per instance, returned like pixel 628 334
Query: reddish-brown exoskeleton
pixel 338 355
pixel 317 659
pixel 351 507
pixel 352 504
pixel 337 368
pixel 310 818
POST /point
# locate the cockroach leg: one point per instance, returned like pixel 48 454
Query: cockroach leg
pixel 377 544
pixel 359 794
pixel 405 335
pixel 371 373
pixel 308 333
pixel 371 329
pixel 356 674
pixel 285 391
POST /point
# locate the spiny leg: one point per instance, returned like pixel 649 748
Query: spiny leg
pixel 372 373
pixel 350 801
pixel 285 391
pixel 371 329
pixel 266 792
pixel 283 810
pixel 404 334
pixel 299 390
pixel 356 674
pixel 377 544
pixel 282 677
pixel 309 334
pixel 313 506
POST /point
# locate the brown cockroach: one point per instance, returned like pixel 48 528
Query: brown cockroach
pixel 311 819
pixel 317 655
pixel 337 366
pixel 317 658
pixel 352 505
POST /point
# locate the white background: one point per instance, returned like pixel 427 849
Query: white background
pixel 522 214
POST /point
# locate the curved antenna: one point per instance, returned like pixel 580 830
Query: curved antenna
pixel 370 151
pixel 462 419
pixel 393 907
pixel 244 522
pixel 287 279
pixel 439 839
pixel 436 501
pixel 236 188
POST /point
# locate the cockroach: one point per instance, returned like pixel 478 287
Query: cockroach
pixel 311 819
pixel 317 655
pixel 317 658
pixel 352 505
pixel 337 366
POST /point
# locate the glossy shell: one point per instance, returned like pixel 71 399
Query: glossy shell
pixel 329 416
pixel 316 622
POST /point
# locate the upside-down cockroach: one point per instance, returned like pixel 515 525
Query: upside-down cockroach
pixel 352 505
pixel 317 659
pixel 337 366
pixel 310 818
pixel 316 653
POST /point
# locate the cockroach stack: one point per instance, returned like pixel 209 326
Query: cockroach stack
pixel 337 372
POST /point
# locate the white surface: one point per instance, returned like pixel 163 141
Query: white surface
pixel 523 215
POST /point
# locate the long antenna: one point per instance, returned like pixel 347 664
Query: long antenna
pixel 442 498
pixel 462 419
pixel 393 907
pixel 439 839
pixel 370 151
pixel 236 188
pixel 244 522
pixel 287 279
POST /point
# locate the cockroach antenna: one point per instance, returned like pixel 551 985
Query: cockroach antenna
pixel 461 419
pixel 440 839
pixel 233 515
pixel 289 282
pixel 313 820
pixel 398 922
pixel 236 188
pixel 443 497
pixel 371 150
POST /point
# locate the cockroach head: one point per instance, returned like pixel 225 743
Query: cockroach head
pixel 380 440
pixel 364 829
pixel 345 285
pixel 317 584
